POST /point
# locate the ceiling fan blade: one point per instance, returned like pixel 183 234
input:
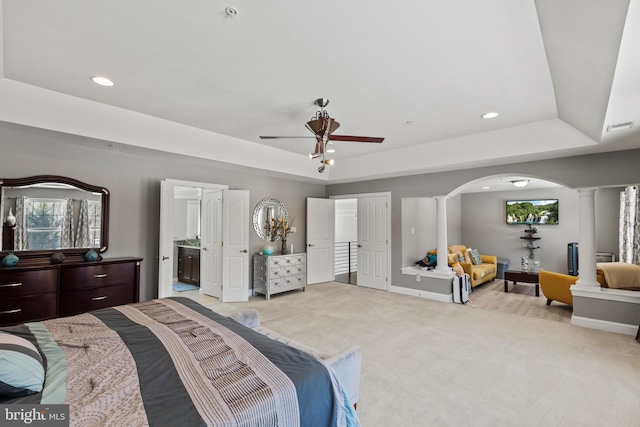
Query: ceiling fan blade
pixel 283 137
pixel 351 138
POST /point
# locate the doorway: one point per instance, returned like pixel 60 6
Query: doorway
pixel 346 241
pixel 368 215
pixel 223 270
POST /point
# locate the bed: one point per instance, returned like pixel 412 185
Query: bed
pixel 169 362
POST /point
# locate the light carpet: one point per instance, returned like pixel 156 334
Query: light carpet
pixel 427 363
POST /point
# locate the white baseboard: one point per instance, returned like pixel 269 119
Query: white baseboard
pixel 421 294
pixel 604 325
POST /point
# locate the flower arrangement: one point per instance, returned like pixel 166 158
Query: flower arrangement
pixel 278 229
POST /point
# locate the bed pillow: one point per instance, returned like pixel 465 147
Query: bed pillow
pixel 475 256
pixel 21 367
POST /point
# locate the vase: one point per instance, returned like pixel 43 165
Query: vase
pixel 11 219
pixel 91 255
pixel 283 248
pixel 267 250
pixel 10 260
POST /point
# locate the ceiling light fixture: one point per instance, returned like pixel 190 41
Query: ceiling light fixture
pixel 520 182
pixel 102 81
pixel 490 115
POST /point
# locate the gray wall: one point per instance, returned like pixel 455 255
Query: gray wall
pixel 133 177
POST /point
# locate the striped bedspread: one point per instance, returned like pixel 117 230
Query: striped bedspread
pixel 173 362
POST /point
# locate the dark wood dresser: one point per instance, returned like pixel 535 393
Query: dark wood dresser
pixel 42 290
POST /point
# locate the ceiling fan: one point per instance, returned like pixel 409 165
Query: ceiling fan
pixel 322 126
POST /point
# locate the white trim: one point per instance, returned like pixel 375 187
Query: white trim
pixel 421 294
pixel 596 292
pixel 417 271
pixel 604 325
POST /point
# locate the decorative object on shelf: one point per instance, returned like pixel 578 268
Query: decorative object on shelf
pixel 10 260
pixel 529 235
pixel 524 262
pixel 283 248
pixel 91 255
pixel 268 250
pixel 10 220
pixel 57 258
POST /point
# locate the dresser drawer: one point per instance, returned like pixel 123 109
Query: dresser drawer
pixel 27 308
pixel 22 283
pixel 95 276
pixel 92 299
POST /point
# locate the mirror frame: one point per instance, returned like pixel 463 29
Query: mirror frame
pixel 41 179
pixel 259 228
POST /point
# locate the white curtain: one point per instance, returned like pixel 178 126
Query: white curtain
pixel 20 232
pixel 66 239
pixel 629 239
pixel 83 238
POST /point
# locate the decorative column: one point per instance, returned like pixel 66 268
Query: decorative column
pixel 441 203
pixel 587 237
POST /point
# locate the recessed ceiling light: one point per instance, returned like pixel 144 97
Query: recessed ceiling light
pixel 331 150
pixel 102 81
pixel 486 187
pixel 490 115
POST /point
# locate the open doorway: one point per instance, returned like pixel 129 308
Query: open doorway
pixel 346 241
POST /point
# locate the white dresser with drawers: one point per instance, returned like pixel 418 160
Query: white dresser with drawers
pixel 273 274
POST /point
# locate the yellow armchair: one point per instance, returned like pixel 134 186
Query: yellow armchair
pixel 555 286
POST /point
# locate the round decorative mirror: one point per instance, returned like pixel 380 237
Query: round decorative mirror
pixel 267 209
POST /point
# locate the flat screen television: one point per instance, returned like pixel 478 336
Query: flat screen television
pixel 539 211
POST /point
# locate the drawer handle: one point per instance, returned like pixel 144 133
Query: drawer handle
pixel 98 298
pixel 100 276
pixel 17 310
pixel 11 285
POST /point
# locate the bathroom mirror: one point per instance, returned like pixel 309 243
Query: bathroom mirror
pixel 268 208
pixel 47 213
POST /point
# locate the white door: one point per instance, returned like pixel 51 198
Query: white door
pixel 373 242
pixel 320 240
pixel 235 247
pixel 165 258
pixel 211 243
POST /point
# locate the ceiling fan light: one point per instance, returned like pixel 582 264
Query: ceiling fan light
pixel 314 155
pixel 329 162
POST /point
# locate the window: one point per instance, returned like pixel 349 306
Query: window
pixel 45 219
pixel 95 213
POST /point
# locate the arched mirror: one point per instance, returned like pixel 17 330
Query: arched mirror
pixel 46 214
pixel 269 208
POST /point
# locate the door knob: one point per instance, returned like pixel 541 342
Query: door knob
pixel 164 258
pixel 359 246
pixel 244 251
pixel 309 244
